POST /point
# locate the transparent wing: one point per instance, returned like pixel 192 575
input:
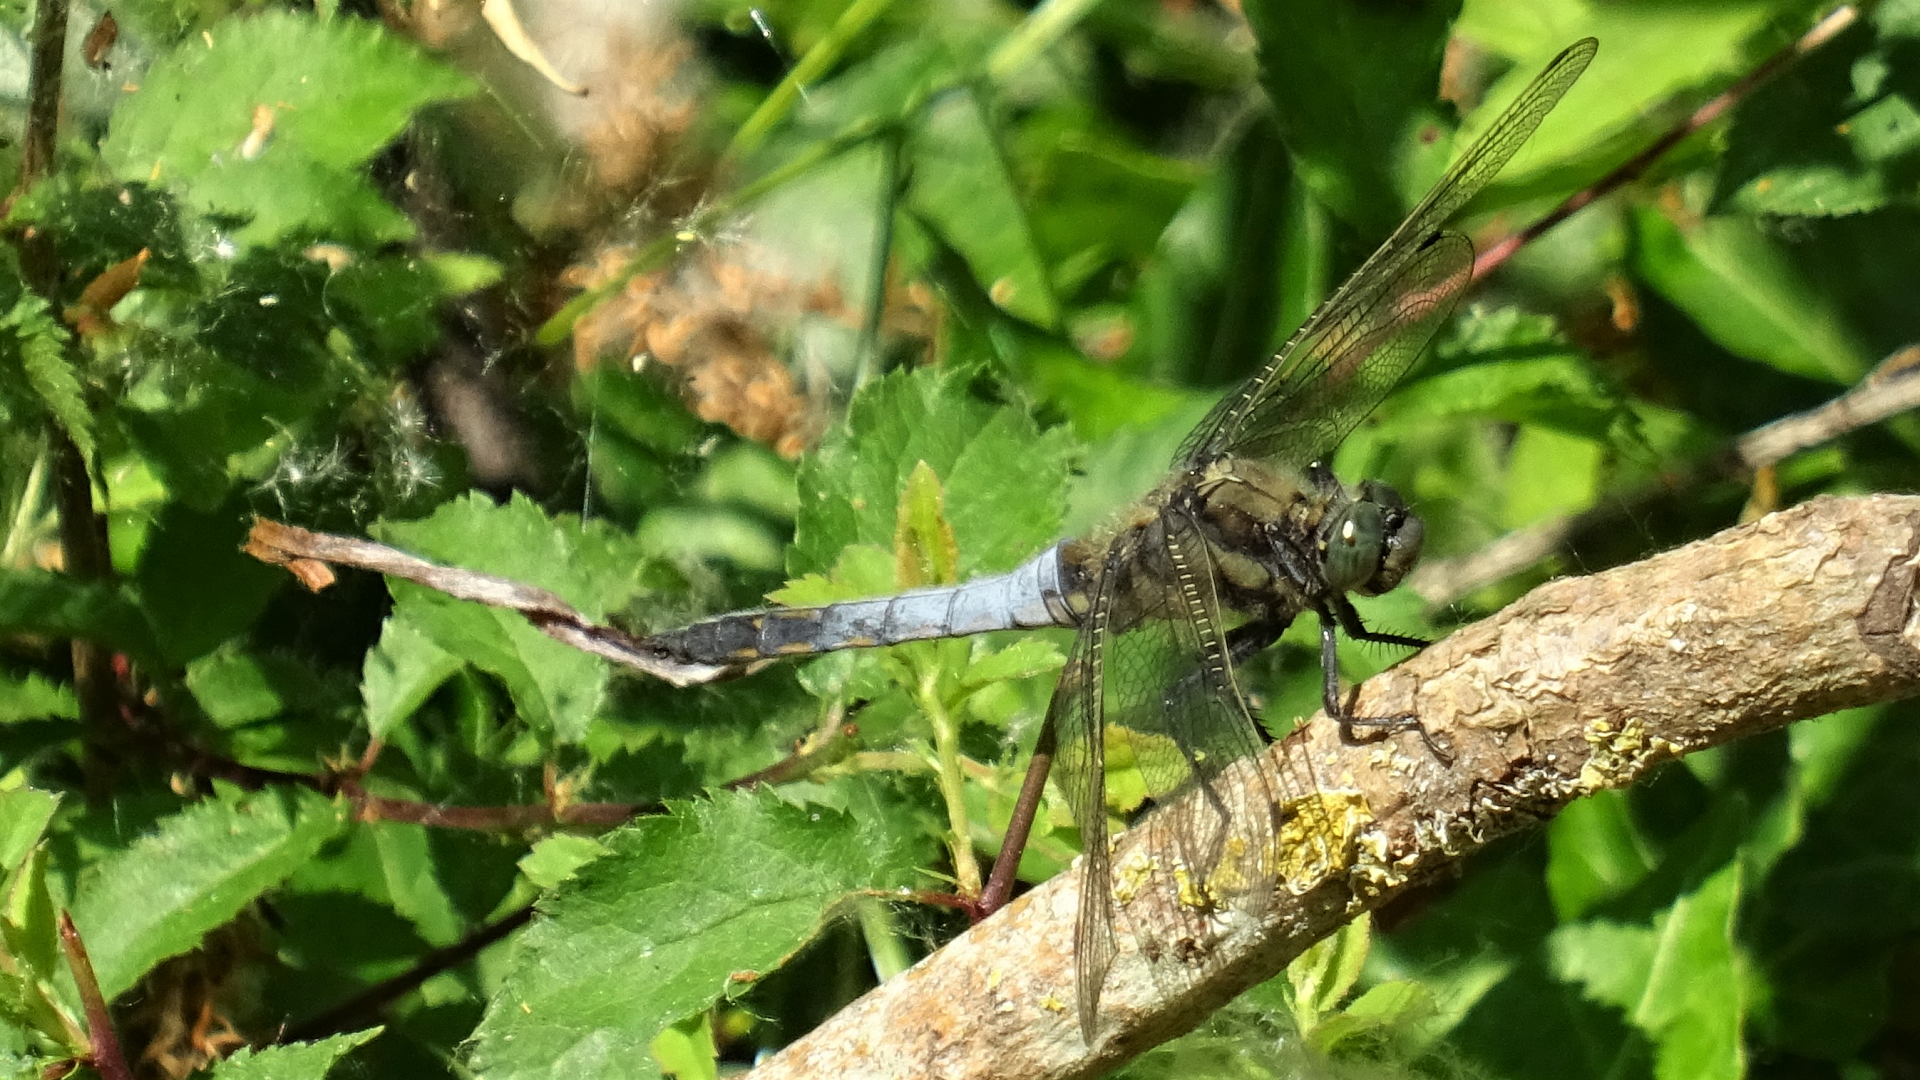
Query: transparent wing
pixel 1151 672
pixel 1361 341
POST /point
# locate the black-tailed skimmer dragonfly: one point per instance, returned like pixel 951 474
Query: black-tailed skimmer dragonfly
pixel 1249 531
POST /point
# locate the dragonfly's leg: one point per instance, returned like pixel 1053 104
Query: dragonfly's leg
pixel 1006 865
pixel 1355 629
pixel 1342 712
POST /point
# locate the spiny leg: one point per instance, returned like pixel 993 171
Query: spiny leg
pixel 1340 613
pixel 1351 625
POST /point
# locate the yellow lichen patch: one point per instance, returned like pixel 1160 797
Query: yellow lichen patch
pixel 1053 1004
pixel 1191 894
pixel 1130 876
pixel 1238 872
pixel 1317 836
pixel 1620 752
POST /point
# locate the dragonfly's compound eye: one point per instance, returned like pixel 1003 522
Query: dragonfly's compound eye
pixel 1373 542
pixel 1355 546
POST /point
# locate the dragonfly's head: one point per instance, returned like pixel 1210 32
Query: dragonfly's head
pixel 1373 542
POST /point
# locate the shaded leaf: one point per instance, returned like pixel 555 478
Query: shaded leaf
pixel 1681 980
pixel 36 697
pixel 401 672
pixel 1744 292
pixel 159 897
pixel 293 1061
pixel 962 186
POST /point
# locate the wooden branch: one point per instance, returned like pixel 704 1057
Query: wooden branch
pixel 1585 683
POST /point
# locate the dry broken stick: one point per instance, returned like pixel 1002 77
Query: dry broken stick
pixel 307 555
pixel 1892 388
pixel 1583 684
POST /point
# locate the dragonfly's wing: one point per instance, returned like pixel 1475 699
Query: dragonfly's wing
pixel 1332 374
pixel 1351 351
pixel 1080 770
pixel 1152 672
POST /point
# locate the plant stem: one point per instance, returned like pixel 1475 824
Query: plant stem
pixel 867 353
pixel 877 926
pixel 1042 27
pixel 819 60
pixel 1823 31
pixel 950 774
pixel 43 91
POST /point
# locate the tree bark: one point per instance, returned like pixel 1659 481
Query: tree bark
pixel 1584 683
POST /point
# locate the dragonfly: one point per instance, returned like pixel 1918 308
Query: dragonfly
pixel 1249 531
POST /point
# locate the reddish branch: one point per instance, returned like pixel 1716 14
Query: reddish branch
pixel 1632 169
pixel 103 1045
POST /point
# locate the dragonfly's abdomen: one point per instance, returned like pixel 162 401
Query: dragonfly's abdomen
pixel 1024 598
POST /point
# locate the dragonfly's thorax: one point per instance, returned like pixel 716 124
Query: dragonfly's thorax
pixel 1280 540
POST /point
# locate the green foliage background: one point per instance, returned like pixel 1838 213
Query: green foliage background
pixel 1084 219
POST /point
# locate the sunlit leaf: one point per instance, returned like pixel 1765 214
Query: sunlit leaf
pixel 683 910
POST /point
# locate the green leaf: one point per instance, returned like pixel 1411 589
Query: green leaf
pixel 1740 288
pixel 592 567
pixel 1549 474
pixel 1005 479
pixel 36 697
pixel 685 909
pixel 395 300
pixel 327 95
pixel 293 1061
pixel 1390 1009
pixel 159 897
pixel 685 1051
pixel 1098 200
pixel 555 858
pixel 36 602
pixel 1648 57
pixel 196 584
pixel 963 188
pixel 401 673
pixel 234 688
pixel 1594 854
pixel 41 342
pixel 923 544
pixel 1682 981
pixel 1836 133
pixel 1349 120
pixel 24 814
pixel 32 970
pixel 1023 659
pixel 1321 977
